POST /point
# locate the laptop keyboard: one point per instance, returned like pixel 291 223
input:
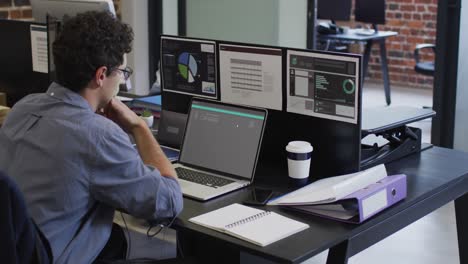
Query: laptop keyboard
pixel 201 178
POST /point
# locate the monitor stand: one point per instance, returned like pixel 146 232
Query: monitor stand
pixel 391 125
pixel 376 30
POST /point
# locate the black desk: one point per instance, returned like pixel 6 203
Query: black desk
pixel 435 177
pixel 379 37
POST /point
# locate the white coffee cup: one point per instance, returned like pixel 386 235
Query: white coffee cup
pixel 299 154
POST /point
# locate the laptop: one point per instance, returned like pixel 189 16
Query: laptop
pixel 172 154
pixel 220 148
pixel 170 133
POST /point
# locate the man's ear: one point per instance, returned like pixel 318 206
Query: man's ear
pixel 100 75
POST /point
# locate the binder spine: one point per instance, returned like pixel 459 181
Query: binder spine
pixel 248 219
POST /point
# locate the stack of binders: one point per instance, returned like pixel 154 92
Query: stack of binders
pixel 351 198
pixel 362 204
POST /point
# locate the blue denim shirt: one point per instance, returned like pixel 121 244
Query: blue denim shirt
pixel 74 168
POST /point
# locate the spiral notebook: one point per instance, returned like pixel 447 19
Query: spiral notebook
pixel 250 224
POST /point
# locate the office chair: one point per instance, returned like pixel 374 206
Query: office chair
pixel 424 67
pixel 22 241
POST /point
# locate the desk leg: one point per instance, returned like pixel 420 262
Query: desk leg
pixel 338 254
pixel 366 58
pixel 461 214
pixel 383 61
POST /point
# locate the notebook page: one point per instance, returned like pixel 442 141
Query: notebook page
pixel 267 229
pixel 225 216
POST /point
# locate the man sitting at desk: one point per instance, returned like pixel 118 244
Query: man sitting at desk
pixel 75 166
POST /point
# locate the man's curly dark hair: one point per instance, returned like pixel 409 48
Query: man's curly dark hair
pixel 86 42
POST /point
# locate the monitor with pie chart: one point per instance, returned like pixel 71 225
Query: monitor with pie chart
pixel 189 66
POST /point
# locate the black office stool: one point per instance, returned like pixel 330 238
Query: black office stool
pixel 424 67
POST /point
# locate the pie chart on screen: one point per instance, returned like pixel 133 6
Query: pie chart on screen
pixel 187 66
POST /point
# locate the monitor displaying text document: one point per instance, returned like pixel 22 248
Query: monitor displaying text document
pixel 251 75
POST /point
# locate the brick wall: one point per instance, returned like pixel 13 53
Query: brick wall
pixel 414 20
pixel 15 9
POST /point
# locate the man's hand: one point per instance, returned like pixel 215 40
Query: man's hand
pixel 123 116
pixel 148 148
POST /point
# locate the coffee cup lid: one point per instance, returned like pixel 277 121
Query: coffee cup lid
pixel 299 147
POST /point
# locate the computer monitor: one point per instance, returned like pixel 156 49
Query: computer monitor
pixel 189 66
pixel 323 85
pixel 23 59
pixel 59 8
pixel 251 75
pixel 53 12
pixel 370 11
pixel 334 9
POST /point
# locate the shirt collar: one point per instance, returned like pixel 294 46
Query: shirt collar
pixel 68 96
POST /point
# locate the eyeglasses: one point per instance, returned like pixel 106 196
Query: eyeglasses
pixel 126 72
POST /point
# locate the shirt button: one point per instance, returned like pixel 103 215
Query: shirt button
pixel 52 94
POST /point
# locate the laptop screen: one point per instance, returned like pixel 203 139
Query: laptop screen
pixel 223 138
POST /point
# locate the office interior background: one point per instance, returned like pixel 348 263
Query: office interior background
pixel 415 21
pixel 284 23
pixel 287 23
